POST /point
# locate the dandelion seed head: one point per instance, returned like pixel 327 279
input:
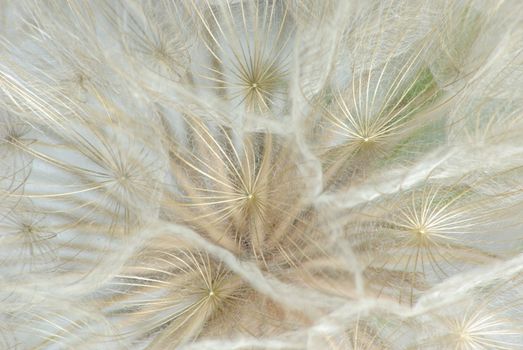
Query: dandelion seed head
pixel 276 174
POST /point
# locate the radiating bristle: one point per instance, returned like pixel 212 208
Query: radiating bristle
pixel 261 174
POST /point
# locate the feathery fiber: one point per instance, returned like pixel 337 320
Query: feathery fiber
pixel 261 174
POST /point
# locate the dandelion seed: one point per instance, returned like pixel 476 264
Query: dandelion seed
pixel 488 320
pixel 435 234
pixel 182 294
pixel 248 47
